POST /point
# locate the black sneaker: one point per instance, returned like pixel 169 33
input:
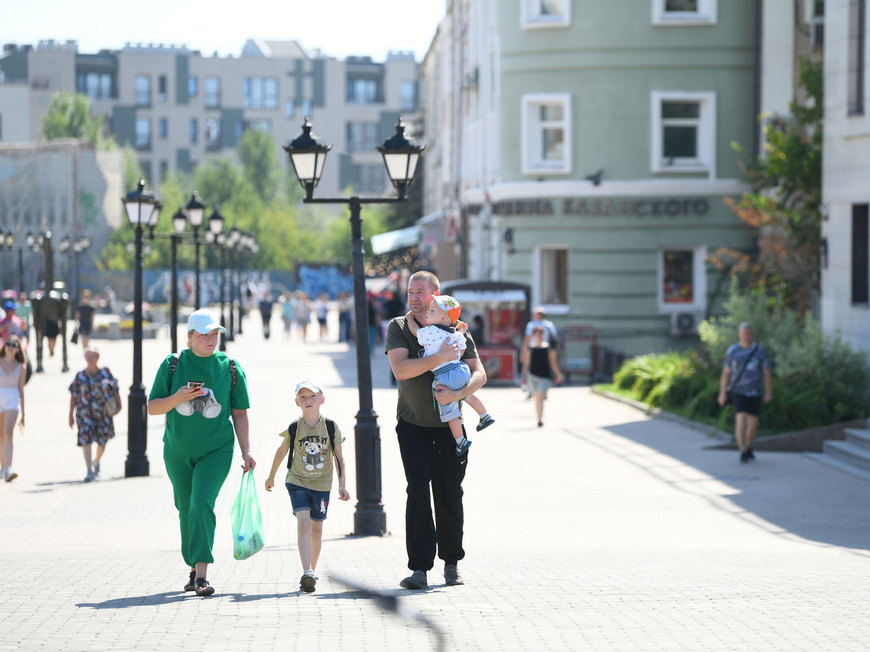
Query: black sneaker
pixel 452 576
pixel 485 422
pixel 744 457
pixel 417 580
pixel 307 583
pixel 750 454
pixel 203 587
pixel 191 582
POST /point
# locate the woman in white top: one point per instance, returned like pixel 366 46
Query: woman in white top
pixel 12 375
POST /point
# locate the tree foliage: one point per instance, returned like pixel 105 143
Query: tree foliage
pixel 69 116
pixel 784 207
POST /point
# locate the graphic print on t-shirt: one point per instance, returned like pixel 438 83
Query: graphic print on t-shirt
pixel 206 404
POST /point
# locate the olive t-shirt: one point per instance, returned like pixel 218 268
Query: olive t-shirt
pixel 312 455
pixel 416 404
pixel 207 427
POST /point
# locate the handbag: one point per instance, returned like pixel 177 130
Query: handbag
pixel 246 520
pixel 113 406
pixel 729 393
pixel 74 339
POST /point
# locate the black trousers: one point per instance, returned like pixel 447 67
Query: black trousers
pixel 429 458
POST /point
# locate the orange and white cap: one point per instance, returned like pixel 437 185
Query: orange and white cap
pixel 449 305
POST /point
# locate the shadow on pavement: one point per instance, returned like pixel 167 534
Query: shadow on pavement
pixel 139 601
pixel 794 494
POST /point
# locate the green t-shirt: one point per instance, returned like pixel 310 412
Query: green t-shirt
pixel 208 426
pixel 312 455
pixel 416 403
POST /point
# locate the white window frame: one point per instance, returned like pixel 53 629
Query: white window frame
pixel 532 16
pixel 705 160
pixel 707 14
pixel 533 161
pixel 699 280
pixel 538 297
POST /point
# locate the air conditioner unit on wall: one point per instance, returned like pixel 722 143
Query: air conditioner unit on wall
pixel 685 323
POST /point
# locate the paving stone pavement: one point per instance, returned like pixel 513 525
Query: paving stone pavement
pixel 604 530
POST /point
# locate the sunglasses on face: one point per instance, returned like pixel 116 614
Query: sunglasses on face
pixel 12 344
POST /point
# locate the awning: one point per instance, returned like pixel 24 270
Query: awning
pixel 393 240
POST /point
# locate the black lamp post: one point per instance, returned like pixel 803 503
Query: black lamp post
pixel 143 209
pixel 216 236
pixel 308 155
pixel 195 211
pixel 179 222
pixel 74 247
pixel 7 240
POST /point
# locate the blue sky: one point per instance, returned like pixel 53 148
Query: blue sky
pixel 337 27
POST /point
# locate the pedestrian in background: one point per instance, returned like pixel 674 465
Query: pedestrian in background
pixel 204 395
pixel 745 369
pixel 287 302
pixel 551 337
pixel 12 377
pixel 543 368
pixel 314 444
pixel 85 318
pixel 302 313
pixel 321 309
pixel 91 391
pixel 345 306
pixel 426 445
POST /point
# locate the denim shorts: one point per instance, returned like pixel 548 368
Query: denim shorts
pixel 308 500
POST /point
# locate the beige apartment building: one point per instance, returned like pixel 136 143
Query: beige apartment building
pixel 178 108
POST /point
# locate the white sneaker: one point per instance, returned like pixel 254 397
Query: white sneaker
pixel 96 469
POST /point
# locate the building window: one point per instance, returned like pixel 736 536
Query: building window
pixel 408 94
pixel 289 109
pixel 552 276
pixel 261 124
pixel 97 86
pixel 362 136
pixel 212 134
pixel 161 88
pixel 143 90
pixel 364 91
pixel 684 12
pixel 212 92
pixel 194 131
pixel 369 178
pixel 682 279
pixel 860 258
pixel 260 92
pixel 306 108
pixel 164 170
pixel 546 143
pixel 855 74
pixel 163 128
pixel 192 86
pixel 545 13
pixel 683 132
pixel 143 133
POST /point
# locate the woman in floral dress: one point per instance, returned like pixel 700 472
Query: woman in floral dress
pixel 91 390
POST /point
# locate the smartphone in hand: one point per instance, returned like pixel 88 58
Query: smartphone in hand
pixel 194 384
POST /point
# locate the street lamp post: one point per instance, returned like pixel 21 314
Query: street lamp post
pixel 143 209
pixel 74 247
pixel 216 236
pixel 195 211
pixel 308 155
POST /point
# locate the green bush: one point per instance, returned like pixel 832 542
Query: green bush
pixel 818 379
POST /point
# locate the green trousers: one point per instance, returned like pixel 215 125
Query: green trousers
pixel 196 482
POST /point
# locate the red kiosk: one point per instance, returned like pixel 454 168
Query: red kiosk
pixel 504 310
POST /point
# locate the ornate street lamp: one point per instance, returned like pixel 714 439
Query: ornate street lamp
pixel 308 155
pixel 195 211
pixel 143 209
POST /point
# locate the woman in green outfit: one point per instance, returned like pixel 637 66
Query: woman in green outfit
pixel 203 394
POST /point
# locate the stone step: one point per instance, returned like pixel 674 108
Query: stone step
pixel 848 452
pixel 859 437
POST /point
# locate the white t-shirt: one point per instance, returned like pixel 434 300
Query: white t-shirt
pixel 431 338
